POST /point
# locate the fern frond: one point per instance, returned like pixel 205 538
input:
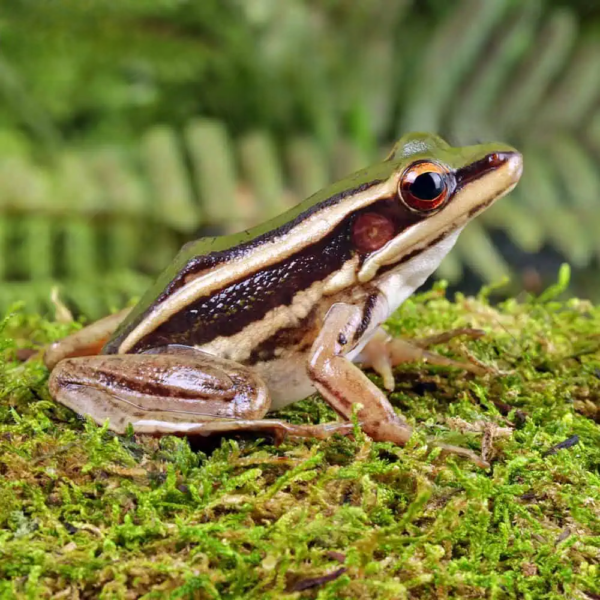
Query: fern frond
pixel 307 92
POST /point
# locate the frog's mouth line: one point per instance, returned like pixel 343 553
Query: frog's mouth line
pixel 479 185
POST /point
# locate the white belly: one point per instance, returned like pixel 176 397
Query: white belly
pixel 287 380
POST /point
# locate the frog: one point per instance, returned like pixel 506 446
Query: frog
pixel 243 324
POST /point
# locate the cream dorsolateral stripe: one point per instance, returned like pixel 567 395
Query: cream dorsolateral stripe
pixel 307 232
pixel 458 211
pixel 239 346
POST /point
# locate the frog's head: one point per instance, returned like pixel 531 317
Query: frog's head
pixel 436 190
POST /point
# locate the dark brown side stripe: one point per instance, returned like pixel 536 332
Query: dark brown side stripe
pixel 196 264
pixel 212 260
pixel 247 300
pixel 228 311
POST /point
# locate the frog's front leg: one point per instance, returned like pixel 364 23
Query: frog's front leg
pixel 343 384
pixel 172 390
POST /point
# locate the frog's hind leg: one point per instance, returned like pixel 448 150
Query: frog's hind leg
pixel 175 390
pixel 85 342
pixel 383 352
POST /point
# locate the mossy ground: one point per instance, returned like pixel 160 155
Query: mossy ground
pixel 87 514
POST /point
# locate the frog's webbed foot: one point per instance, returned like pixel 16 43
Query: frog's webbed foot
pixel 277 428
pixel 173 390
pixel 383 352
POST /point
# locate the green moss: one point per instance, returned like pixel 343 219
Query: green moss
pixel 85 512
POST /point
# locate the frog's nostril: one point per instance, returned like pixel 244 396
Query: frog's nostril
pixel 497 159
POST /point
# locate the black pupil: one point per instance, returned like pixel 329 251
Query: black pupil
pixel 427 186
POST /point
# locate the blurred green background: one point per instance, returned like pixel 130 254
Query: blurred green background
pixel 128 127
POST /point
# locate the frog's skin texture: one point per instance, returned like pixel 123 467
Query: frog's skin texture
pixel 242 324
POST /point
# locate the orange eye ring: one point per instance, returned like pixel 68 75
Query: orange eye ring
pixel 425 186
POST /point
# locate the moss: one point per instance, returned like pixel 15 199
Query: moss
pixel 85 513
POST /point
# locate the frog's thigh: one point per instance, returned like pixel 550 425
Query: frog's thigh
pixel 343 384
pixel 159 392
pixel 85 342
pixel 180 391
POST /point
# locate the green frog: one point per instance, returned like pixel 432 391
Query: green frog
pixel 242 324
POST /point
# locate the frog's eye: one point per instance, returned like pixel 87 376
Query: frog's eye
pixel 424 186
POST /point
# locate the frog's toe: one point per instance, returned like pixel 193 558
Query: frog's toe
pixel 376 355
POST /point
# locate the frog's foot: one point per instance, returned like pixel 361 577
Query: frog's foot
pixel 85 342
pixel 280 430
pixel 383 352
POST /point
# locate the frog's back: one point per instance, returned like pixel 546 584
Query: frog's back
pixel 233 278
